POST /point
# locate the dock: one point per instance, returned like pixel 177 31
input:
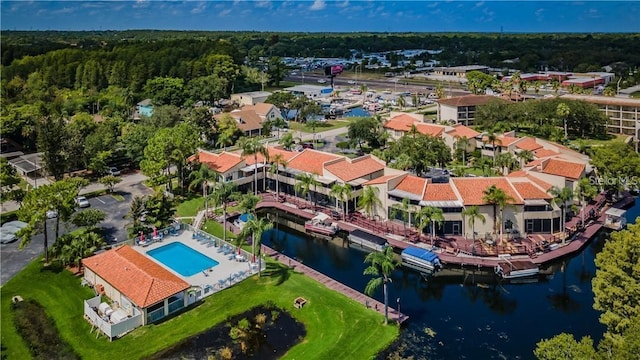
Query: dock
pixel 335 285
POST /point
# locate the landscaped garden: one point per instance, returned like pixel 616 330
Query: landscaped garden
pixel 336 327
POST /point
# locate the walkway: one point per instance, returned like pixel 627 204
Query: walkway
pixel 335 285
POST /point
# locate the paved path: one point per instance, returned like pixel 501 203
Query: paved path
pixel 333 284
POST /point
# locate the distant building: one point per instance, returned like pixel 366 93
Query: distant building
pixel 623 114
pixel 460 71
pixel 311 91
pixel 250 98
pixel 249 122
pixel 462 109
pixel 265 111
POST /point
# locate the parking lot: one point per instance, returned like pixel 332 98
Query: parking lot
pixel 13 259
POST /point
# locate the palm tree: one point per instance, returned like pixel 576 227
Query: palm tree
pixel 369 200
pixel 305 181
pixel 494 139
pixel 401 102
pixel 499 200
pixel 337 191
pixel 506 162
pixel 524 156
pixel 430 215
pixel 253 146
pixel 276 161
pixel 563 112
pixel 313 124
pixel 473 213
pixel 382 265
pixel 204 177
pixel 256 227
pixel 561 197
pixel 287 141
pixel 403 210
pixel 463 143
pixel 346 196
pixel 222 195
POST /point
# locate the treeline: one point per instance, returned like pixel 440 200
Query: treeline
pixel 529 52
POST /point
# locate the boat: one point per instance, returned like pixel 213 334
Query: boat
pixel 367 240
pixel 321 224
pixel 514 269
pixel 420 259
pixel 615 219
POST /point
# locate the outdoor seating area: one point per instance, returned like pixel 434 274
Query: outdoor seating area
pixel 299 302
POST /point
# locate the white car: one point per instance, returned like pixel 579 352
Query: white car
pixel 52 214
pixel 322 81
pixel 82 202
pixel 351 82
pixel 7 236
pixel 114 171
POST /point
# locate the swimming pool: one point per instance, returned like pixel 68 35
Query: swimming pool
pixel 182 259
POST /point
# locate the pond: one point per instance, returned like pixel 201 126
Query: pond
pixel 460 314
pixel 264 332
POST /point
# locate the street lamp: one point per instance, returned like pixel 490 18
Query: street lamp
pixel 398 302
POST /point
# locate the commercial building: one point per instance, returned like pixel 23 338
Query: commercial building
pixel 459 71
pixel 250 98
pixel 311 91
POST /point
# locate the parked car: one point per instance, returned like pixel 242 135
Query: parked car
pixel 52 214
pixel 82 202
pixel 114 171
pixel 351 82
pixel 7 236
pixel 322 81
pixel 307 145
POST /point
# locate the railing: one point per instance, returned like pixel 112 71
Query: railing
pixel 109 329
pixel 176 305
pixel 155 315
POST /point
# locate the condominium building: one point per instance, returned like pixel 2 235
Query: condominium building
pixel 623 114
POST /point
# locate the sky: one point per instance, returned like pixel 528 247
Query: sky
pixel 325 15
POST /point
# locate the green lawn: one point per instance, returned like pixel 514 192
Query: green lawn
pixel 599 142
pixel 190 207
pixel 337 327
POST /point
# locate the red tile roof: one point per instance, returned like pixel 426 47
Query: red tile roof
pixel 348 170
pixel 311 161
pixel 468 100
pixel 272 151
pixel 439 192
pixel 380 180
pixel 403 122
pixel 136 276
pixel 412 184
pixel 563 168
pixel 430 129
pixel 460 130
pixel 519 173
pixel 472 189
pixel 542 153
pixel 528 143
pixel 502 140
pixel 529 190
pixel 221 163
pixel 543 184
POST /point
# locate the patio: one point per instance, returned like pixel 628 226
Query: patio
pixel 232 267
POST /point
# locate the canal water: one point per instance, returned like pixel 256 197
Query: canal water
pixel 462 314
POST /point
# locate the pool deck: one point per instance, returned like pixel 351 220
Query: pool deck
pixel 210 280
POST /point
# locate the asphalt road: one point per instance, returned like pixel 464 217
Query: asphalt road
pixel 12 259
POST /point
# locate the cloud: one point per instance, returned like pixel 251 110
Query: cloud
pixel 593 13
pixel 64 10
pixel 343 4
pixel 199 8
pixel 318 5
pixel 263 4
pixel 478 4
pixel 433 4
pixel 141 4
pixel 225 12
pixel 539 11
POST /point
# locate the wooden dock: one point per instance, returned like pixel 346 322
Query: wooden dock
pixel 335 285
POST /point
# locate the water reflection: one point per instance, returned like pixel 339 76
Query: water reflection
pixel 466 313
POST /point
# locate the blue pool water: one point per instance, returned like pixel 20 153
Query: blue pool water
pixel 182 259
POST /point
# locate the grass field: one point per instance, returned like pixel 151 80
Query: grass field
pixel 337 327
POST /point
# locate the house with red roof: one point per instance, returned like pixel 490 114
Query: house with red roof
pixel 141 291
